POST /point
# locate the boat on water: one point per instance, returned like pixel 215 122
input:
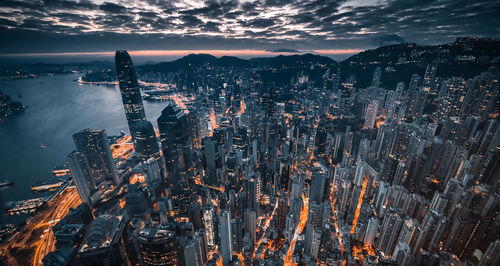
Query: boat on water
pixel 61 171
pixel 43 146
pixel 6 230
pixel 5 182
pixel 47 185
pixel 24 206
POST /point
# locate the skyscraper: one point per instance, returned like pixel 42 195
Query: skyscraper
pixel 371 114
pixel 210 223
pixel 129 88
pixel 103 241
pixel 193 252
pixel 317 187
pixel 173 127
pixel 93 145
pixel 389 232
pixel 226 242
pixel 251 224
pixel 146 143
pixel 157 247
pixel 81 176
pixel 371 231
pixel 211 154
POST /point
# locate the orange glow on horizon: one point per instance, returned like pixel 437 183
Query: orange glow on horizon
pixel 216 52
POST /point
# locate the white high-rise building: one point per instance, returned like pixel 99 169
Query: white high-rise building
pixel 371 114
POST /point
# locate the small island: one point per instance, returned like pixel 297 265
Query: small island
pixel 9 107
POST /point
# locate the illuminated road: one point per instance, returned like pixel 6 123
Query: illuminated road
pixel 302 223
pixel 42 220
pixel 358 207
pixel 240 256
pixel 47 240
pixel 123 147
pixel 334 214
pixel 197 180
pixel 266 225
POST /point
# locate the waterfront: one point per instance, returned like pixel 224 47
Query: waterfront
pixel 59 107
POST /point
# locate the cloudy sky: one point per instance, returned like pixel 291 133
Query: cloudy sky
pixel 69 26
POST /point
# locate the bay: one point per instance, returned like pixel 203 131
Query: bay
pixel 58 108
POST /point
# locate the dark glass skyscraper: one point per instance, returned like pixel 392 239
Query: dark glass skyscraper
pixel 157 247
pixel 173 127
pixel 129 88
pixel 146 143
pixel 81 176
pixel 93 146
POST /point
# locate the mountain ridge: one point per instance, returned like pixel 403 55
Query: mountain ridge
pixel 197 60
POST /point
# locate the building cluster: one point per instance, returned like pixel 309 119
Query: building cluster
pixel 247 172
pixel 9 107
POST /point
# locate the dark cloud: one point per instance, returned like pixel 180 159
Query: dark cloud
pixel 388 39
pixel 258 23
pixel 44 25
pixel 112 8
pixel 191 21
pixel 212 26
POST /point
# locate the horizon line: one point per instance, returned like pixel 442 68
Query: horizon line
pixel 217 52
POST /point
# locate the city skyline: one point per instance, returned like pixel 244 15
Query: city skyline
pixel 233 133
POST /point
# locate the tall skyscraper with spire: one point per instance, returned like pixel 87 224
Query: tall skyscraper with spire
pixel 129 88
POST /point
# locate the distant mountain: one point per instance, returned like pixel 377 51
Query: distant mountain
pixel 197 60
pixel 32 70
pixel 466 57
pixel 290 60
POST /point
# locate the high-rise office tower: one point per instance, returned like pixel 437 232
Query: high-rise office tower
pixel 157 247
pixel 317 187
pixel 93 145
pixel 81 176
pixel 173 127
pixel 251 224
pixel 252 191
pixel 226 243
pixel 211 154
pixel 152 170
pixel 146 143
pixel 312 241
pixel 129 88
pixel 233 168
pixel 210 223
pixel 237 233
pixel 103 241
pixel 193 253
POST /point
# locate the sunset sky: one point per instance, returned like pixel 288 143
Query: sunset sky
pixel 259 27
